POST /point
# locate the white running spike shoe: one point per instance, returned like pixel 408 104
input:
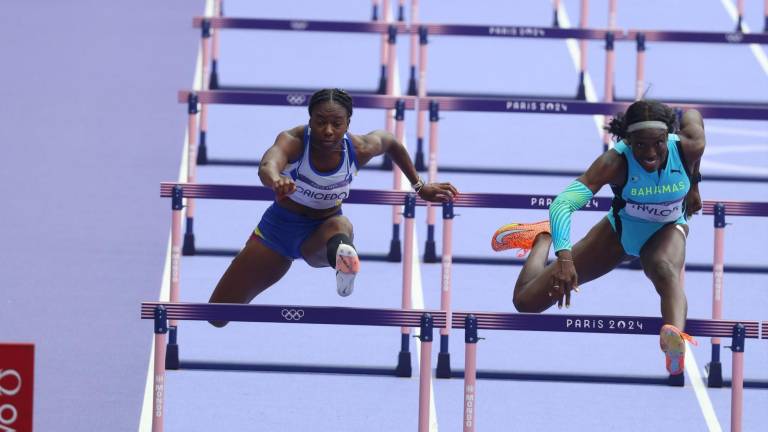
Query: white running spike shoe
pixel 347 266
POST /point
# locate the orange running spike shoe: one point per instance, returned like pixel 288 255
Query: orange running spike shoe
pixel 518 236
pixel 672 342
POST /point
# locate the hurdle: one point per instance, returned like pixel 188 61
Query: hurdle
pixel 178 191
pixel 719 210
pixel 562 107
pixel 161 313
pixel 602 204
pixel 472 321
pixel 300 99
pixel 729 38
pixel 426 321
pixel 213 25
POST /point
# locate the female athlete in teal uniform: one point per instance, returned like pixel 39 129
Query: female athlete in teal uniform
pixel 654 175
pixel 310 168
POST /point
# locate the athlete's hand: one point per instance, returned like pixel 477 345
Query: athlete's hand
pixel 438 192
pixel 564 280
pixel 692 202
pixel 283 187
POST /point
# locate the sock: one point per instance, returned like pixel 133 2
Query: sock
pixel 333 244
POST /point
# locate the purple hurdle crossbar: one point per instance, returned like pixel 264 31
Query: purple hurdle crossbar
pixel 471 321
pixel 160 312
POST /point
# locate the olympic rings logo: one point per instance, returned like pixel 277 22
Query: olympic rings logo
pixel 299 25
pixel 734 37
pixel 292 314
pixel 296 99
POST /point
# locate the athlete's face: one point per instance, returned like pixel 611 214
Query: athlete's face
pixel 649 146
pixel 328 123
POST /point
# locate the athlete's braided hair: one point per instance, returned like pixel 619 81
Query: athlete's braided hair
pixel 332 95
pixel 642 110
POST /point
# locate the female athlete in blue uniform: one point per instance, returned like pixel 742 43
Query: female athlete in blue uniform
pixel 654 175
pixel 310 168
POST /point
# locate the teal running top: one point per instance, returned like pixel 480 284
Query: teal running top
pixel 653 196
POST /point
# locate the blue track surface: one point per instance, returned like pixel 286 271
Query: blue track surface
pixel 85 233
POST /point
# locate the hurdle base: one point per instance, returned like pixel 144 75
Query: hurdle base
pixel 172 350
pixel 403 368
pixel 430 255
pixel 581 93
pixel 188 248
pixel 676 380
pixel 443 365
pixel 213 80
pixel 382 81
pixel 714 374
pixel 386 163
pixel 412 88
pixel 394 254
pixel 202 150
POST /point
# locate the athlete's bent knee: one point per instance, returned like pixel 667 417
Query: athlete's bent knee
pixel 663 270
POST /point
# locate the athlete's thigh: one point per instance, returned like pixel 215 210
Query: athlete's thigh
pixel 253 270
pixel 313 249
pixel 666 246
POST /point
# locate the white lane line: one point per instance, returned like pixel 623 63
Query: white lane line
pixel 417 292
pixel 145 421
pixel 701 396
pixel 692 369
pixel 756 49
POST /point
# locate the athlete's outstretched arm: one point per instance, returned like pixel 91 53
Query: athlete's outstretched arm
pixel 381 142
pixel 607 169
pixel 287 147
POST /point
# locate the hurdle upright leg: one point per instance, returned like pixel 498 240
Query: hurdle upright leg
pixel 404 357
pixel 394 245
pixel 444 357
pixel 213 80
pixel 171 353
pixel 737 383
pixel 384 15
pixel 189 235
pixel 430 255
pixel 765 18
pixel 608 92
pixel 389 115
pixel 158 388
pixel 413 53
pixel 422 93
pixel 583 22
pixel 715 368
pixel 202 150
pixel 425 371
pixel 470 374
pixel 640 67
